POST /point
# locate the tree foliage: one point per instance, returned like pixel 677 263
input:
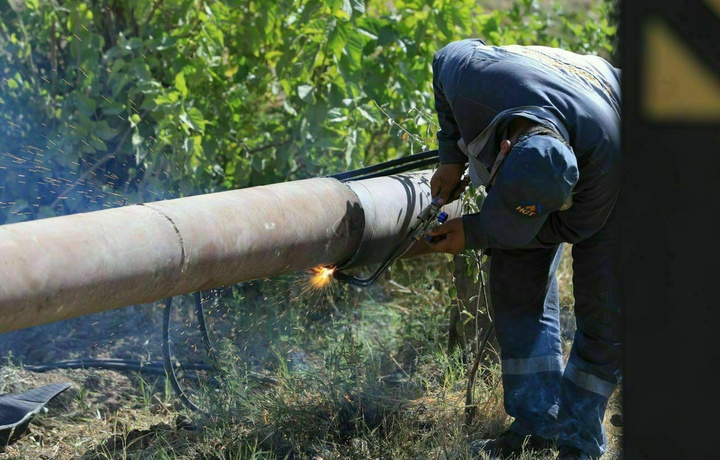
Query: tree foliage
pixel 109 102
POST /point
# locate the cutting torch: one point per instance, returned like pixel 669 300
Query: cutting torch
pixel 427 218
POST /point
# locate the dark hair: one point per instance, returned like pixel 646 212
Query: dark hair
pixel 544 130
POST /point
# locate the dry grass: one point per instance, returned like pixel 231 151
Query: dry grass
pixel 355 374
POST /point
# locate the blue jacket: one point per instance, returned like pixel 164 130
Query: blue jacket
pixel 480 88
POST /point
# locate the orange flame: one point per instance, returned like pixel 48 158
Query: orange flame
pixel 321 277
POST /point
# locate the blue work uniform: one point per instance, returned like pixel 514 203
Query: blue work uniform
pixel 479 89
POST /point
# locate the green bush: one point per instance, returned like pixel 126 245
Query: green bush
pixel 105 103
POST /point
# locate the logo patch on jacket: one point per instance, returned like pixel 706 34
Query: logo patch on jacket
pixel 528 209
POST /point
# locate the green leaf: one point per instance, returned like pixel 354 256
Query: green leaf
pixel 180 84
pixel 367 33
pixel 335 115
pixel 86 148
pixel 288 108
pixel 193 119
pixel 338 37
pixel 197 118
pixel 346 8
pixel 197 148
pixel 97 144
pixel 305 92
pixel 187 123
pixel 167 98
pixel 112 108
pixel 85 105
pixel 350 144
pixel 366 115
pixel 269 18
pixel 354 43
pixel 309 9
pixel 358 5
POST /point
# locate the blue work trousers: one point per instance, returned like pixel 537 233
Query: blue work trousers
pixel 546 396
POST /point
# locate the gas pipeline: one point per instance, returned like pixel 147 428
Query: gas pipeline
pixel 68 266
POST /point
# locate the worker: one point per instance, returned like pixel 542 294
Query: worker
pixel 539 130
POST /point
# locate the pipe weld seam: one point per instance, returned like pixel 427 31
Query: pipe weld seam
pixel 183 260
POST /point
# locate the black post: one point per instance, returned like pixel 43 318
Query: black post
pixel 670 55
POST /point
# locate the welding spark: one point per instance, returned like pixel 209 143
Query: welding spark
pixel 321 277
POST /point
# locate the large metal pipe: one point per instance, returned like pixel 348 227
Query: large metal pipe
pixel 62 267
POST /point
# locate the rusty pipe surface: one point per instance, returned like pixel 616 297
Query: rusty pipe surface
pixel 62 267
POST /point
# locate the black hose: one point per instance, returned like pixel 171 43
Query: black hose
pixel 209 348
pixel 169 368
pixel 147 367
pixel 164 367
pixel 398 251
pixel 391 167
pixel 396 170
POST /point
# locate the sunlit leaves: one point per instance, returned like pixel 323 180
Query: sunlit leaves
pixel 338 36
pixel 188 96
pixel 305 92
pixel 193 120
pixel 180 84
pixel 358 6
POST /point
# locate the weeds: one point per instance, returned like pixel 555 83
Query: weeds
pixel 368 380
pixel 334 373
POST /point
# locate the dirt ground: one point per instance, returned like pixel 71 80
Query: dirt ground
pixel 85 421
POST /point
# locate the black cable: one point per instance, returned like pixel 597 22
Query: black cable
pixel 396 170
pixel 408 163
pixel 147 367
pixel 164 367
pixel 169 368
pixel 396 253
pixel 401 248
pixel 167 361
pixel 203 330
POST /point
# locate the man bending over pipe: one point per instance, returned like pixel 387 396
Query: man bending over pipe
pixel 540 130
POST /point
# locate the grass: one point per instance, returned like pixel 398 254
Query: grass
pixel 332 373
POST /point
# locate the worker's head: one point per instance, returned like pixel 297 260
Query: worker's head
pixel 536 176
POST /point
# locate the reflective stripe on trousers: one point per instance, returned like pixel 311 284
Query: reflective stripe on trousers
pixel 545 397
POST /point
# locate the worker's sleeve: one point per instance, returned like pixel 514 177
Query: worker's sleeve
pixel 449 134
pixel 591 208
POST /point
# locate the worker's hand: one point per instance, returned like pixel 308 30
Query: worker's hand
pixel 448 237
pixel 445 178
